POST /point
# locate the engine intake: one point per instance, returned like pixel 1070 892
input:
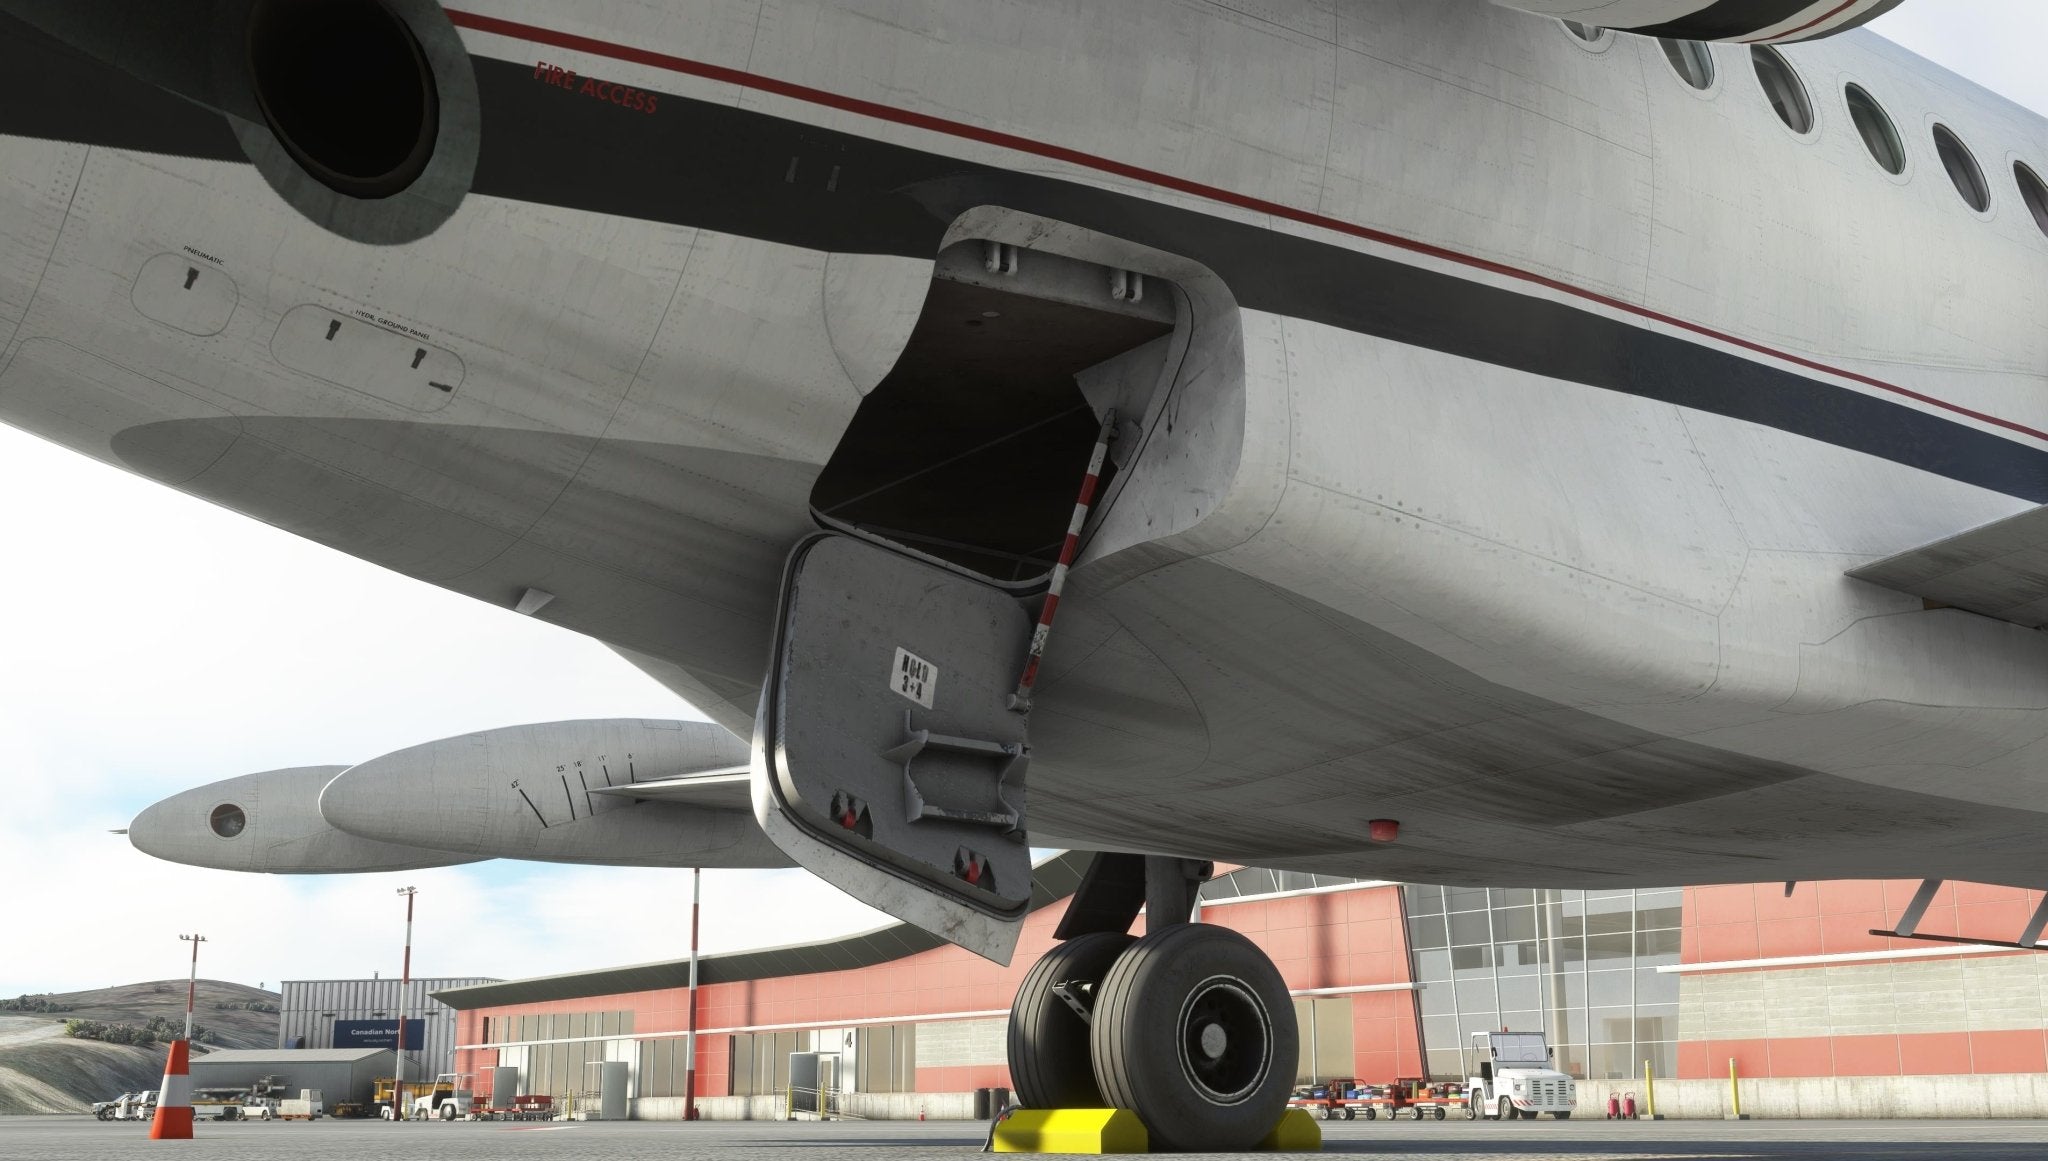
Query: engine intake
pixel 347 90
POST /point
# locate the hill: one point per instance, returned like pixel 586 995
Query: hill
pixel 44 1071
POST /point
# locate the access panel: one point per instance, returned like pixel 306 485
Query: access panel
pixel 888 758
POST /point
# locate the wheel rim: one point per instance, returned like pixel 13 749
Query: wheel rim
pixel 1225 1039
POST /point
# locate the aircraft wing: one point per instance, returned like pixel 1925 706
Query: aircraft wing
pixel 1999 570
pixel 709 788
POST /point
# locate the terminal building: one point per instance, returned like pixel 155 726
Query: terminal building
pixel 354 1015
pixel 1818 1016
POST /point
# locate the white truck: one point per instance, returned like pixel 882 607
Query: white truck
pixel 1515 1079
pixel 129 1106
pixel 450 1098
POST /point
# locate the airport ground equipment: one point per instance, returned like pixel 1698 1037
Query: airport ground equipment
pixel 448 1097
pixel 129 1106
pixel 1341 1099
pixel 1514 1079
pixel 1412 1096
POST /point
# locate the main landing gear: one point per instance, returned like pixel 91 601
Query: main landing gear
pixel 1190 1027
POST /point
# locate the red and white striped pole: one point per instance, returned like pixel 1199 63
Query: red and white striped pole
pixel 173 1119
pixel 399 1109
pixel 1021 700
pixel 690 1040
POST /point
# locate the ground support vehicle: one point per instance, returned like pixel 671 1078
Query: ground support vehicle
pixel 1342 1098
pixel 1417 1098
pixel 1515 1079
pixel 129 1106
pixel 448 1098
pixel 258 1109
pixel 533 1107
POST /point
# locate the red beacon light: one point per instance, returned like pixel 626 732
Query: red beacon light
pixel 1383 830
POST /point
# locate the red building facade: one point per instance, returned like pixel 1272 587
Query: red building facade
pixel 1786 986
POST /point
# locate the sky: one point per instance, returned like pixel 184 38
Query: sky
pixel 150 643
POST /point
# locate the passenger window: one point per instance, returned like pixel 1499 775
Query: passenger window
pixel 1962 169
pixel 1876 129
pixel 1782 85
pixel 1695 65
pixel 2033 192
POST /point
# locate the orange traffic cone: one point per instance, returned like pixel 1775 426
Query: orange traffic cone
pixel 173 1121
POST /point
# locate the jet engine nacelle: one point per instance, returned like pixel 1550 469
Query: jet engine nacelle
pixel 627 792
pixel 1750 21
pixel 362 114
pixel 268 822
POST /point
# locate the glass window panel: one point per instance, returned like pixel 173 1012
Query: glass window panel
pixel 1650 918
pixel 1464 898
pixel 1658 943
pixel 1435 999
pixel 1572 1059
pixel 1445 1065
pixel 1611 1062
pixel 1604 989
pixel 1567 1025
pixel 1439 1033
pixel 1515 958
pixel 1471 959
pixel 1875 127
pixel 1511 897
pixel 1568 989
pixel 1611 1026
pixel 1424 900
pixel 1611 950
pixel 1658 1026
pixel 1470 928
pixel 1296 880
pixel 1524 1021
pixel 1432 964
pixel 1656 988
pixel 1427 931
pixel 1610 923
pixel 1476 1002
pixel 1569 950
pixel 1514 923
pixel 1518 993
pixel 1663 1057
pixel 1660 897
pixel 1691 60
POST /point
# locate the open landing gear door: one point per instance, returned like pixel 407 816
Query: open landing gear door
pixel 887 758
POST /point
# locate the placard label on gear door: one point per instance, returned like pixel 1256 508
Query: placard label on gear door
pixel 914 677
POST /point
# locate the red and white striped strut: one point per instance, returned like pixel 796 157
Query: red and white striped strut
pixel 1021 700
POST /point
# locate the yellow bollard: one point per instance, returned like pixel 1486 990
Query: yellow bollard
pixel 1650 1093
pixel 1734 1095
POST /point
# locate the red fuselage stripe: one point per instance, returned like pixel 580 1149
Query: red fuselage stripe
pixel 880 112
pixel 1818 20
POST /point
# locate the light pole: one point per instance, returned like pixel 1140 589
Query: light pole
pixel 690 1040
pixel 404 981
pixel 192 984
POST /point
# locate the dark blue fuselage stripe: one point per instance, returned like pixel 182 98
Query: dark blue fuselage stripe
pixel 706 165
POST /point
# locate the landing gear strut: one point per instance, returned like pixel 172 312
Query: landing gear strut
pixel 1190 1027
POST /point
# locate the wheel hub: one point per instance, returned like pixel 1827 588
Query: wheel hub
pixel 1225 1039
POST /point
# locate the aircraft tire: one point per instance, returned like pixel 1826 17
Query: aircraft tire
pixel 1194 1031
pixel 1048 1042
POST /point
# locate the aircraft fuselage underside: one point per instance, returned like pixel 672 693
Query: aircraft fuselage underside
pixel 1425 508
